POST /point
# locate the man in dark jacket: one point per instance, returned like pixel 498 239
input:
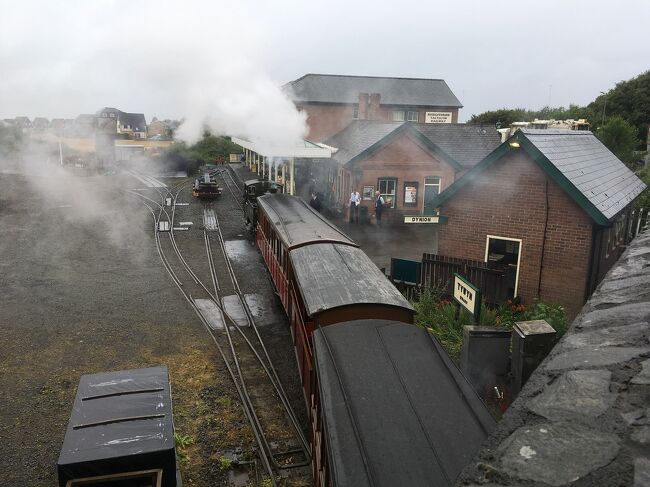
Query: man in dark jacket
pixel 379 207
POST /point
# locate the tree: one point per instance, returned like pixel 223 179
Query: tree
pixel 620 137
pixel 630 99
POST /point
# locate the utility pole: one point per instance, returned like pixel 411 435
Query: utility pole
pixel 602 122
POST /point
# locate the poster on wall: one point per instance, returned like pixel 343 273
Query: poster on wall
pixel 368 192
pixel 437 117
pixel 410 193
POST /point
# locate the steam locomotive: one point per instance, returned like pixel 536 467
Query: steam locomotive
pixel 206 187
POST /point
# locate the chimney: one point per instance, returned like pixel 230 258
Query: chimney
pixel 364 102
pixel 373 106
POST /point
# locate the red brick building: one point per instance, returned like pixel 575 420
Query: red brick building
pixel 408 163
pixel 552 205
pixel 331 102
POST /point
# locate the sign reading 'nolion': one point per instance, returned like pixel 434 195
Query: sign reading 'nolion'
pixel 467 295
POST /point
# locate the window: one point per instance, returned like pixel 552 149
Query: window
pixel 398 116
pixel 412 116
pixel 387 189
pixel 355 111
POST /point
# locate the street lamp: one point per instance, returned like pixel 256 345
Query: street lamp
pixel 604 106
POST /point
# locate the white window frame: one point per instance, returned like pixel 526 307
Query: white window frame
pixel 355 111
pixel 408 116
pixel 398 116
pixel 487 249
pixel 393 194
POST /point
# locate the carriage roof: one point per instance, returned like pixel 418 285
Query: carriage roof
pixel 334 275
pixel 297 224
pixel 396 409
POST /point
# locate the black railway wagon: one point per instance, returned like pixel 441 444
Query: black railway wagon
pixel 253 189
pixel 390 408
pixel 120 431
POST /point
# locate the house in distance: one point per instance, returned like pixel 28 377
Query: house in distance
pixel 551 205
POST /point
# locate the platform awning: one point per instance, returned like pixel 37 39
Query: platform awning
pixel 302 149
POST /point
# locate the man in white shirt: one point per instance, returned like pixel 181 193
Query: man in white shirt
pixel 355 201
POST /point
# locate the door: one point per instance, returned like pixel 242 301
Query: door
pixel 431 190
pixel 505 252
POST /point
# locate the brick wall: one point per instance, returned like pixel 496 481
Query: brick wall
pixel 407 160
pixel 509 200
pixel 326 120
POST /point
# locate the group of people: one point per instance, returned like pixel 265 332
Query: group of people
pixel 355 201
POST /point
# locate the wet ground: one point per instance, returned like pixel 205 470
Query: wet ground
pixel 83 291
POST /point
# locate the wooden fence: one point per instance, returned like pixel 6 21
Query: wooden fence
pixel 438 273
pixel 638 222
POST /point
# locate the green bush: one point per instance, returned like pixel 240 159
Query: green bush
pixel 441 317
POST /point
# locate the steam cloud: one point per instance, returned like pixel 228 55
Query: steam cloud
pixel 193 59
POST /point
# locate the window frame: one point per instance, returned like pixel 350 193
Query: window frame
pixel 385 195
pixel 394 115
pixel 487 250
pixel 408 116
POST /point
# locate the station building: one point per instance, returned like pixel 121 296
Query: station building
pixel 408 163
pixel 332 102
pixel 552 205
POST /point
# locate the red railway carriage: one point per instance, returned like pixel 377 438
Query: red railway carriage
pixel 321 275
pixel 285 223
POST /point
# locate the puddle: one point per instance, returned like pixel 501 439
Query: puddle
pixel 211 313
pixel 240 250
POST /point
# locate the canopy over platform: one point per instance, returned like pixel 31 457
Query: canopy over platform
pixel 269 160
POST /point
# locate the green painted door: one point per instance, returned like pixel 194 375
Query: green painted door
pixel 431 190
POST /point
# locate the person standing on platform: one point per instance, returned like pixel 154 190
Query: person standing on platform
pixel 314 202
pixel 379 207
pixel 355 201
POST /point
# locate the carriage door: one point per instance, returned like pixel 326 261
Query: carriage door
pixel 431 190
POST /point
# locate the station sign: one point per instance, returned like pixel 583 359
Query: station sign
pixel 437 117
pixel 467 295
pixel 425 219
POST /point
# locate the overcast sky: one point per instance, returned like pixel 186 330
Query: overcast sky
pixel 218 59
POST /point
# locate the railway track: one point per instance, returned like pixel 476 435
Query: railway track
pixel 281 445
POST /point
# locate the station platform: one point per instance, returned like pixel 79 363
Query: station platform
pixel 380 243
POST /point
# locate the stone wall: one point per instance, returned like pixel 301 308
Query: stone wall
pixel 583 418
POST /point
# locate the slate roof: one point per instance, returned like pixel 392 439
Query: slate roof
pixel 135 120
pixel 332 88
pixel 578 162
pixel 359 136
pixel 396 409
pixel 463 145
pixel 468 144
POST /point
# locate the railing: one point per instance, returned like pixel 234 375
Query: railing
pixel 639 221
pixel 438 273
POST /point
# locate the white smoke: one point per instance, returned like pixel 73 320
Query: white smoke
pixel 196 60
